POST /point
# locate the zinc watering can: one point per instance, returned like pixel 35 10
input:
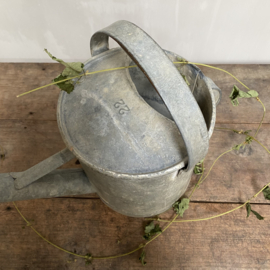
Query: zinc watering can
pixel 138 132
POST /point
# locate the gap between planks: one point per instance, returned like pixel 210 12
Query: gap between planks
pixel 200 201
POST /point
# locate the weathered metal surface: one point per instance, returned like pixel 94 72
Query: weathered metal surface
pixel 137 132
pixel 110 126
pixel 165 78
pixel 29 176
pixel 142 196
pixel 199 85
pixel 57 183
pixel 137 158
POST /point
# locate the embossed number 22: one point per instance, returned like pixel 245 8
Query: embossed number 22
pixel 123 108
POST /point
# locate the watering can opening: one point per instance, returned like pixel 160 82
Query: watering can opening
pixel 109 125
pixel 202 87
pixel 107 120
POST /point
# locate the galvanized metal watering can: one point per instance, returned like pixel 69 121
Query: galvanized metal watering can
pixel 137 132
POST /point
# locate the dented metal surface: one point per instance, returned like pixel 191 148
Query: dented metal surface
pixel 137 132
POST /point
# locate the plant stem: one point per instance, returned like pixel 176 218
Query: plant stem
pixel 260 144
pixel 264 110
pixel 223 70
pixel 29 224
pixel 86 256
pixel 195 82
pixel 142 245
pixel 198 183
pixel 118 256
pixel 240 132
pixel 201 179
pixel 215 163
pixel 219 215
pixel 78 76
pixel 119 68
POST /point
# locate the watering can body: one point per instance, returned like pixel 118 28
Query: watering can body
pixel 138 132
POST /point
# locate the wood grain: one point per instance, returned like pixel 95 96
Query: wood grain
pixel 28 142
pixel 238 175
pixel 88 226
pixel 17 78
pixel 235 177
pixel 256 77
pixel 29 134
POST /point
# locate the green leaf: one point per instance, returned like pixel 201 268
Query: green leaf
pixel 253 93
pixel 248 207
pixel 234 95
pixel 237 93
pixel 181 207
pixel 246 132
pixel 237 146
pixel 88 259
pixel 150 230
pixel 243 94
pixel 198 169
pixel 149 227
pixel 266 193
pixel 72 69
pixel 65 86
pixel 142 258
pixel 258 216
pixel 249 139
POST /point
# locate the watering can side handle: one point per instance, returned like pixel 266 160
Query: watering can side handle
pixel 165 78
pixel 29 176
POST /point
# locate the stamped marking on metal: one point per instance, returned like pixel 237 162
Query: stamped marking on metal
pixel 122 107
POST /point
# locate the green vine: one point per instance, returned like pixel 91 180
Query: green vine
pixel 153 229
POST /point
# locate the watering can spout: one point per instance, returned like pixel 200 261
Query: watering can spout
pixel 137 132
pixel 63 182
pixel 44 181
pixel 23 179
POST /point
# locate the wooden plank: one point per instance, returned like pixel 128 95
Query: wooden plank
pixel 30 135
pixel 256 77
pixel 27 142
pixel 16 78
pixel 238 175
pixel 88 226
pixel 235 178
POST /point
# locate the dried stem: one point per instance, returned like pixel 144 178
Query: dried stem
pixel 78 76
pixel 201 179
pixel 264 110
pixel 219 215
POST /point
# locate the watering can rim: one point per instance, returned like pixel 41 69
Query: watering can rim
pixel 128 175
pixel 166 80
pixel 137 197
pixel 170 169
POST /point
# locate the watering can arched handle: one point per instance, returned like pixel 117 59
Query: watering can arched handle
pixel 165 78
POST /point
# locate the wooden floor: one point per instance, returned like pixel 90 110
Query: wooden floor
pixel 29 134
